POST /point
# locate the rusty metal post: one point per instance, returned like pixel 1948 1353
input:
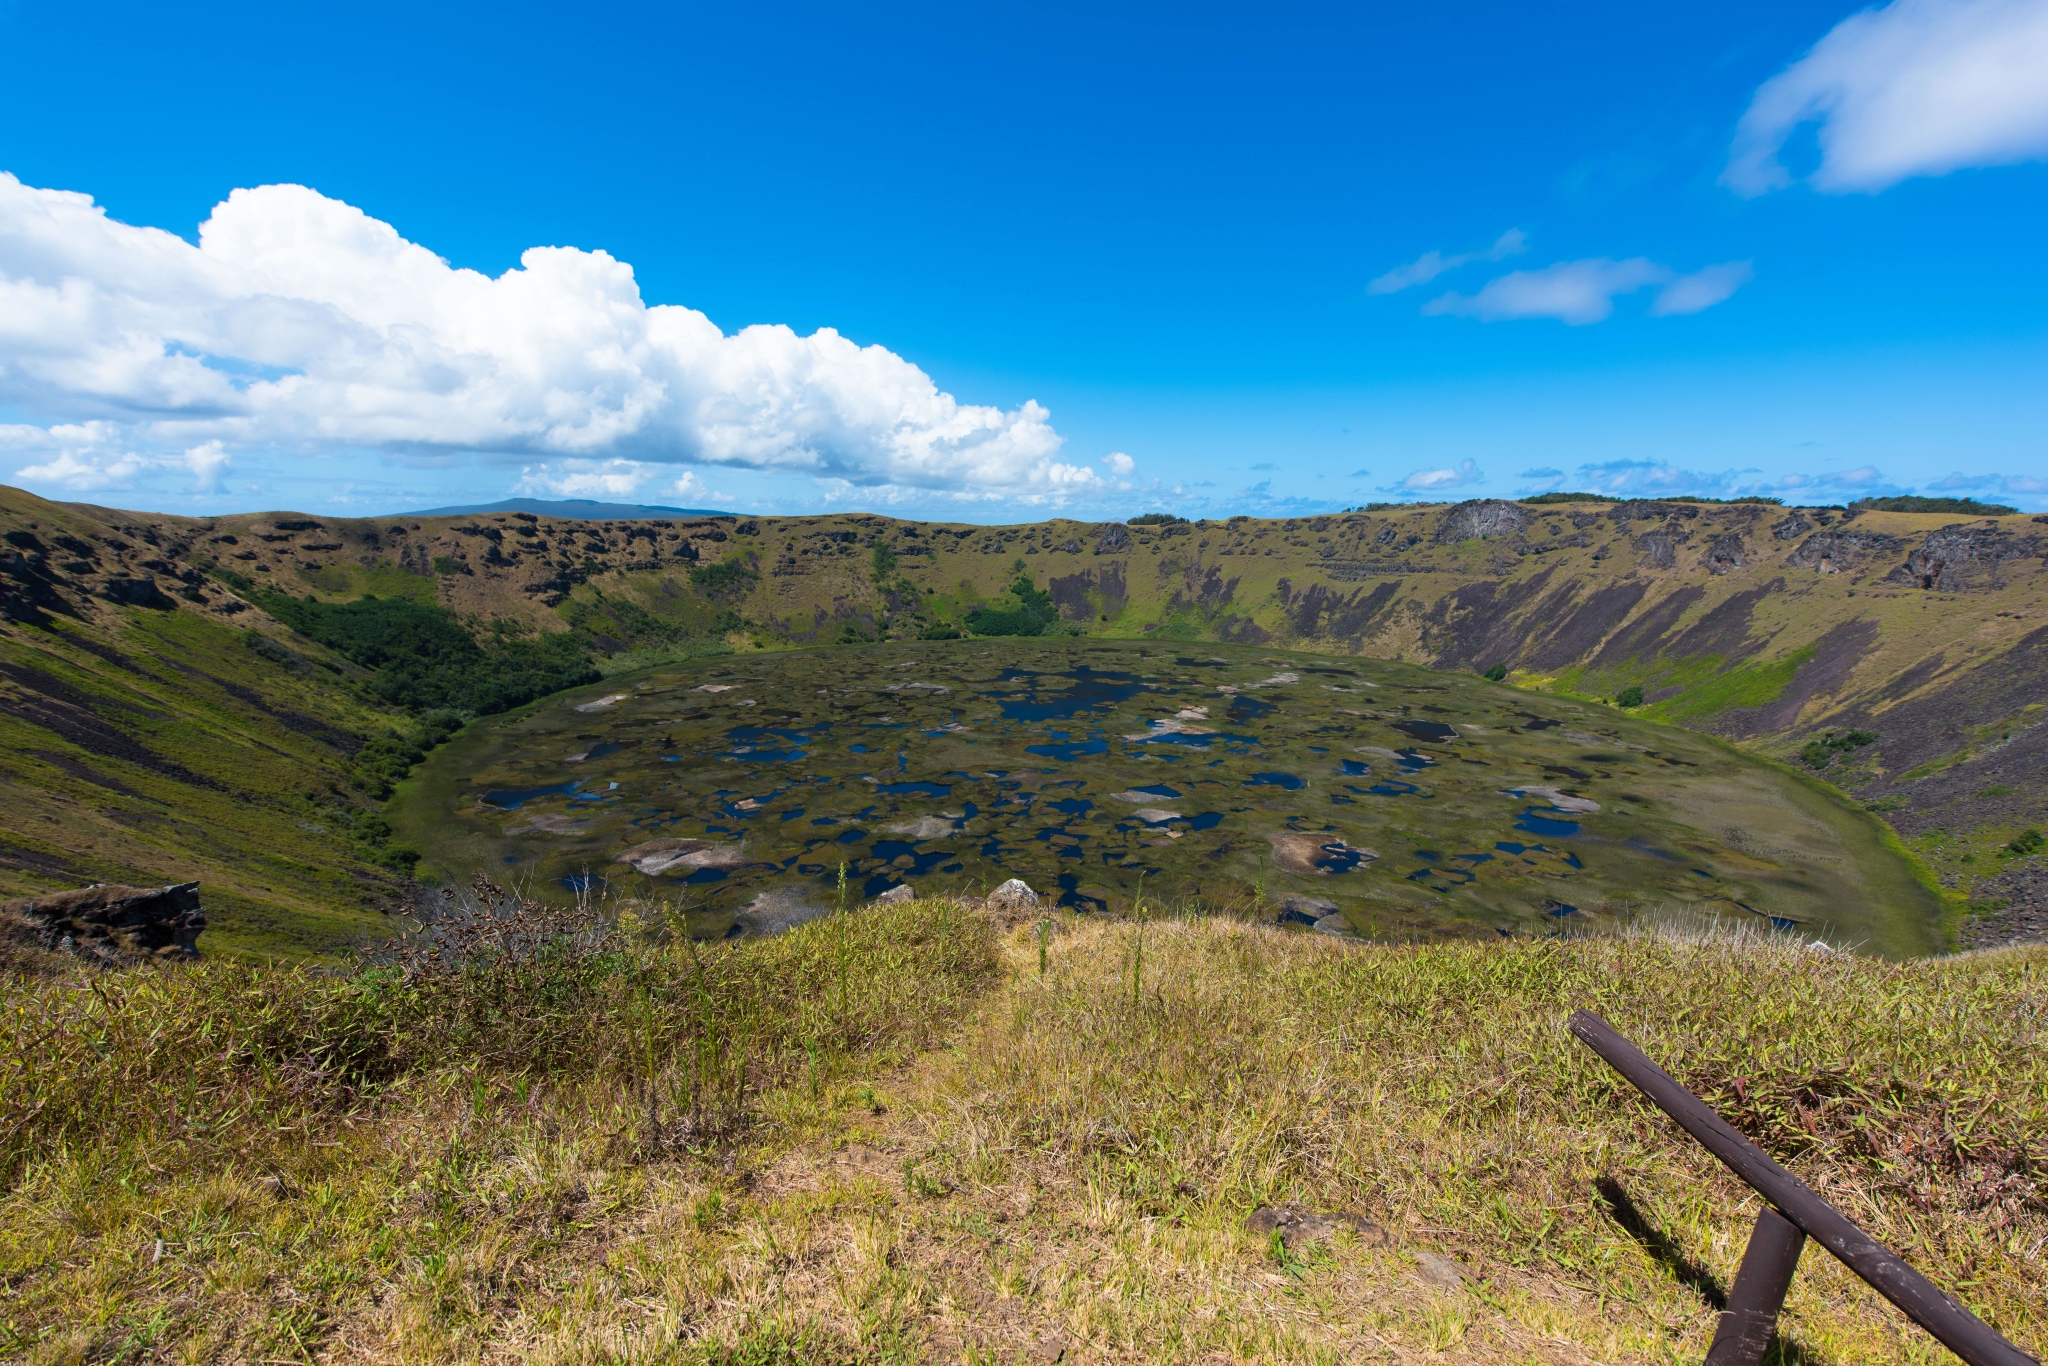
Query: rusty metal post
pixel 1953 1326
pixel 1752 1313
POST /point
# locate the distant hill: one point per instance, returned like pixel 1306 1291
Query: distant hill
pixel 584 509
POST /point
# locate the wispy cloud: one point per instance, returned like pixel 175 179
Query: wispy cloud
pixel 1431 264
pixel 601 479
pixel 1917 87
pixel 1990 483
pixel 1702 289
pixel 1464 473
pixel 1580 292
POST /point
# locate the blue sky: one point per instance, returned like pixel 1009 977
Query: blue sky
pixel 1084 258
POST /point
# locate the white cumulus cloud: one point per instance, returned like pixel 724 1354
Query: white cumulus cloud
pixel 1916 87
pixel 209 463
pixel 301 324
pixel 1431 264
pixel 1119 463
pixel 1582 292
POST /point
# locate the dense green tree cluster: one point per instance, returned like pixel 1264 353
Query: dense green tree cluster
pixel 1962 507
pixel 1030 612
pixel 424 658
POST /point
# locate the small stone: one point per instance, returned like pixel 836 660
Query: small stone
pixel 1441 1272
pixel 895 895
pixel 1014 897
pixel 1298 1225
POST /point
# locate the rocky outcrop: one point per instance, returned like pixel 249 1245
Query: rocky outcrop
pixel 1479 517
pixel 1726 554
pixel 1957 559
pixel 1831 552
pixel 1656 549
pixel 1115 539
pixel 1792 527
pixel 1645 510
pixel 28 589
pixel 111 926
pixel 136 592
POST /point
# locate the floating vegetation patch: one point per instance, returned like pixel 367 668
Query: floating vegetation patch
pixel 736 792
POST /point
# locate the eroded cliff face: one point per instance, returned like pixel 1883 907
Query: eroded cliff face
pixel 1763 624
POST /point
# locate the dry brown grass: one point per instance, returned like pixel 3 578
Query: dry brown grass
pixel 1068 1176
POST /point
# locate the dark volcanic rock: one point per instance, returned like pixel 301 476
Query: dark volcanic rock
pixel 112 926
pixel 1832 552
pixel 141 592
pixel 1480 517
pixel 1644 510
pixel 28 589
pixel 1792 528
pixel 1115 537
pixel 1957 559
pixel 1656 549
pixel 2022 919
pixel 1725 554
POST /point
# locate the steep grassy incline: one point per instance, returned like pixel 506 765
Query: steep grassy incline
pixel 150 738
pixel 1767 625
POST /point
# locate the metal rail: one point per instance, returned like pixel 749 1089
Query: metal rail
pixel 1796 1214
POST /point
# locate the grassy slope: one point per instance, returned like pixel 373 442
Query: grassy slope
pixel 152 745
pixel 503 1166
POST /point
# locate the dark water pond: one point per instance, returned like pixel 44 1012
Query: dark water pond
pixel 512 798
pixel 1232 777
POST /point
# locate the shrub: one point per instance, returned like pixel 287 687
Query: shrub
pixel 1821 752
pixel 2029 842
pixel 725 579
pixel 1631 696
pixel 1496 673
